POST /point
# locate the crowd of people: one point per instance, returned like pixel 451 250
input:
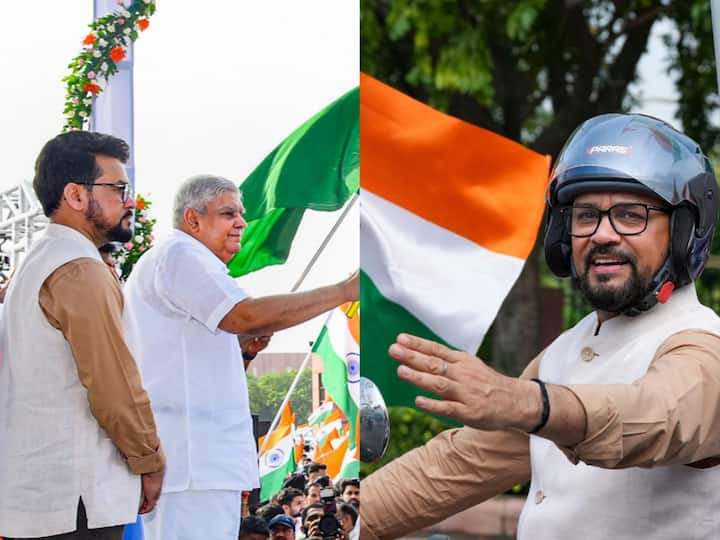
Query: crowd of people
pixel 308 506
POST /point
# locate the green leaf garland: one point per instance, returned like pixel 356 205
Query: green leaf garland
pixel 103 48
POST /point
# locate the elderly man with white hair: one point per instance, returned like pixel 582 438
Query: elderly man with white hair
pixel 183 312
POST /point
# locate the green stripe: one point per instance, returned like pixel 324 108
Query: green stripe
pixel 350 470
pixel 316 167
pixel 272 482
pixel 334 379
pixel 382 320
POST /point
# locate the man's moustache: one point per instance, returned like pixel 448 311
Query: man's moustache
pixel 610 252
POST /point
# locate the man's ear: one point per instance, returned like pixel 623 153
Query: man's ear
pixel 190 216
pixel 76 196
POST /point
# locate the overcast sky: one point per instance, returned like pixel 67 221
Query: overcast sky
pixel 218 84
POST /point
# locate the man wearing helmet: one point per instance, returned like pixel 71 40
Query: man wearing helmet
pixel 616 423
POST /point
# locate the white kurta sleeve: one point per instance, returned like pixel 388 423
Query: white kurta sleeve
pixel 186 282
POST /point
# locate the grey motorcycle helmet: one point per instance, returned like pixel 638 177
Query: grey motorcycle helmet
pixel 640 154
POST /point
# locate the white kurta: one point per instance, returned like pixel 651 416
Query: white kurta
pixel 176 296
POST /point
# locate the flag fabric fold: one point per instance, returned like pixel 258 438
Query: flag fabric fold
pixel 316 167
pixel 448 214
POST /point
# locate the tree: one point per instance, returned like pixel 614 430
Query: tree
pixel 533 70
pixel 267 393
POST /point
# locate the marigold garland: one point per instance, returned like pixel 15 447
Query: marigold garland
pixel 104 47
pixel 142 238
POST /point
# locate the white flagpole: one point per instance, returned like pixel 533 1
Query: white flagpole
pixel 113 109
pixel 276 420
pixel 324 243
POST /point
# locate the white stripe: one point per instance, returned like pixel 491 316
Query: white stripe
pixel 343 343
pixel 341 338
pixel 452 285
pixel 283 449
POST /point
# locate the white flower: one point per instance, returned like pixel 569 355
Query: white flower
pixel 126 13
pixel 126 31
pixel 104 66
pixel 111 28
pixel 82 114
pixel 97 54
pixel 102 43
pixel 139 239
pixel 87 101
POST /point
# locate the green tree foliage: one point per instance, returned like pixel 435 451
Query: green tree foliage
pixel 268 391
pixel 532 70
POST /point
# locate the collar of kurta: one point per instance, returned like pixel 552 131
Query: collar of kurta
pixel 208 255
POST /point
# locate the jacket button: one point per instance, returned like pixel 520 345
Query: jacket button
pixel 587 354
pixel 539 496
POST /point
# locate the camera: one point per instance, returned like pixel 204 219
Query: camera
pixel 329 524
pixel 323 481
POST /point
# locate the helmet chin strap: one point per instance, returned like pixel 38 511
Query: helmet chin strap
pixel 661 288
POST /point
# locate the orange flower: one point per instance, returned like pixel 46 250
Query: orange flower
pixel 92 88
pixel 90 39
pixel 143 24
pixel 140 203
pixel 117 54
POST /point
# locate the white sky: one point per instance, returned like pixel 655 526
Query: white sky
pixel 218 84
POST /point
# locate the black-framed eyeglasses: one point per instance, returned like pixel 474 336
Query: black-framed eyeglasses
pixel 124 188
pixel 583 220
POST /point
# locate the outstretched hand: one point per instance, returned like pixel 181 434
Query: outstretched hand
pixel 471 391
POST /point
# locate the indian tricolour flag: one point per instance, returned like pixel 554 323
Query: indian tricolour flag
pixel 339 347
pixel 277 455
pixel 448 214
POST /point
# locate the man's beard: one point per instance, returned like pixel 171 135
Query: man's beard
pixel 111 233
pixel 614 299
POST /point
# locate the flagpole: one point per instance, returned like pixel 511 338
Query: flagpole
pixel 276 420
pixel 324 243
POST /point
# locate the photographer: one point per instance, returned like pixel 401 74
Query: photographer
pixel 311 516
pixel 322 520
